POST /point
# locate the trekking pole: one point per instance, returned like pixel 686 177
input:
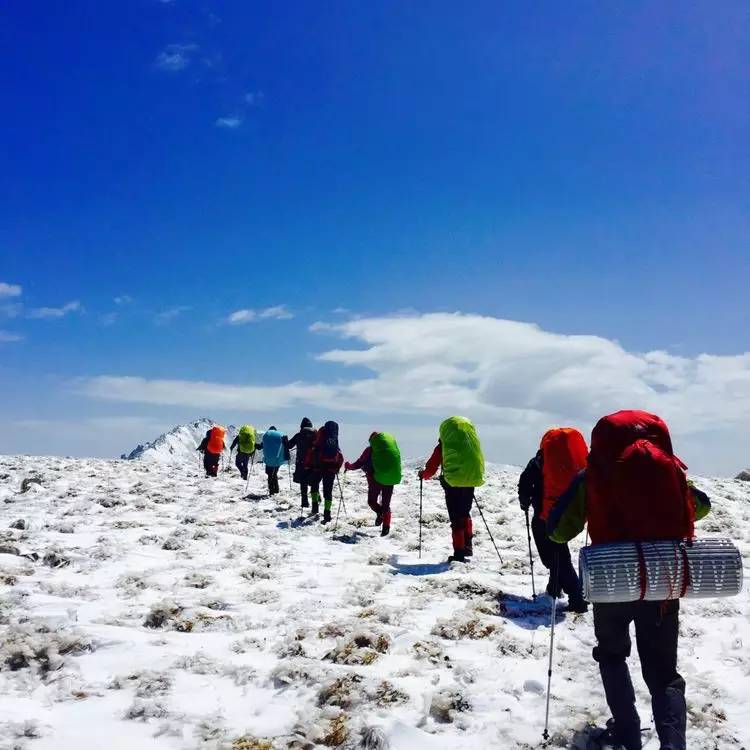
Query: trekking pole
pixel 545 734
pixel 338 510
pixel 420 518
pixel 486 525
pixel 252 464
pixel 341 492
pixel 531 557
pixel 289 469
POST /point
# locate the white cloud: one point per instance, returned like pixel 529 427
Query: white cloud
pixel 513 378
pixel 52 313
pixel 170 314
pixel 229 123
pixel 175 57
pixel 277 312
pixel 9 290
pixel 254 98
pixel 6 337
pixel 123 299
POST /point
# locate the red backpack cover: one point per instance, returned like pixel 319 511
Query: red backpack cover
pixel 636 487
pixel 216 440
pixel 564 454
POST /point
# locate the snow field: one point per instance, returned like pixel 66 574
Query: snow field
pixel 144 606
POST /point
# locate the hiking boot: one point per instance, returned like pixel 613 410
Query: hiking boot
pixel 554 593
pixel 457 556
pixel 385 530
pixel 326 516
pixel 610 739
pixel 379 519
pixel 305 503
pixel 315 509
pixel 469 550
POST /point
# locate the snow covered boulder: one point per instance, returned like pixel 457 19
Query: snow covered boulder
pixel 744 476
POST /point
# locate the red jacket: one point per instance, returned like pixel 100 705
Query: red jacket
pixel 364 462
pixel 434 463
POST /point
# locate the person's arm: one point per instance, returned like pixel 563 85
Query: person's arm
pixel 235 443
pixel 293 441
pixel 361 461
pixel 568 515
pixel 529 485
pixel 204 444
pixel 701 501
pixel 285 445
pixel 433 464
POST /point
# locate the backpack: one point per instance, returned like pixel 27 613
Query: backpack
pixel 246 439
pixel 636 487
pixel 463 462
pixel 215 440
pixel 386 459
pixel 324 453
pixel 274 453
pixel 564 454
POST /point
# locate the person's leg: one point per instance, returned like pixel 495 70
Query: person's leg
pixel 315 493
pixel 328 480
pixel 454 504
pixel 241 463
pixel 373 492
pixel 568 579
pixel 468 524
pixel 656 632
pixel 611 625
pixel 303 494
pixel 276 480
pixel 387 494
pixel 269 479
pixel 547 550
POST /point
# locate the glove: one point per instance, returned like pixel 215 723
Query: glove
pixel 347 466
pixel 524 504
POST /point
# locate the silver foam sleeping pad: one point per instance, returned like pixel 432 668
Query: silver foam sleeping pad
pixel 618 572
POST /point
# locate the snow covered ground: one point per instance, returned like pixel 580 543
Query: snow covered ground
pixel 144 606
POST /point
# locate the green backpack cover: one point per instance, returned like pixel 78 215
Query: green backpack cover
pixel 463 462
pixel 247 439
pixel 386 459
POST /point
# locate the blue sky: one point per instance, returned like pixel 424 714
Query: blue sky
pixel 580 166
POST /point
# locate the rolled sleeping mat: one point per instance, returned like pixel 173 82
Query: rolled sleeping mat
pixel 655 571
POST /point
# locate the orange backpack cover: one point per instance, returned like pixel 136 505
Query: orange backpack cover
pixel 216 440
pixel 564 454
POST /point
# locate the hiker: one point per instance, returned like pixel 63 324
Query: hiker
pixel 212 446
pixel 634 489
pixel 244 441
pixel 301 443
pixel 459 454
pixel 323 462
pixel 275 447
pixel 381 463
pixel 561 456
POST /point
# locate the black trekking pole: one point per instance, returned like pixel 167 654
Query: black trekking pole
pixel 531 556
pixel 545 734
pixel 486 525
pixel 341 492
pixel 420 517
pixel 289 469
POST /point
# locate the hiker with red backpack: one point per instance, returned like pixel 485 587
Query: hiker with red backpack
pixel 562 454
pixel 323 462
pixel 301 443
pixel 381 463
pixel 459 455
pixel 212 446
pixel 634 489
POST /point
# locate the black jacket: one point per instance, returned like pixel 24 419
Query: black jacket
pixel 531 485
pixel 302 442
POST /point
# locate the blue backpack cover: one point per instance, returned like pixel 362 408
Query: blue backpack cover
pixel 273 448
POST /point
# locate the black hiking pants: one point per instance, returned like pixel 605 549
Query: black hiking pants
pixel 272 472
pixel 327 479
pixel 556 558
pixel 211 463
pixel 656 633
pixel 241 462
